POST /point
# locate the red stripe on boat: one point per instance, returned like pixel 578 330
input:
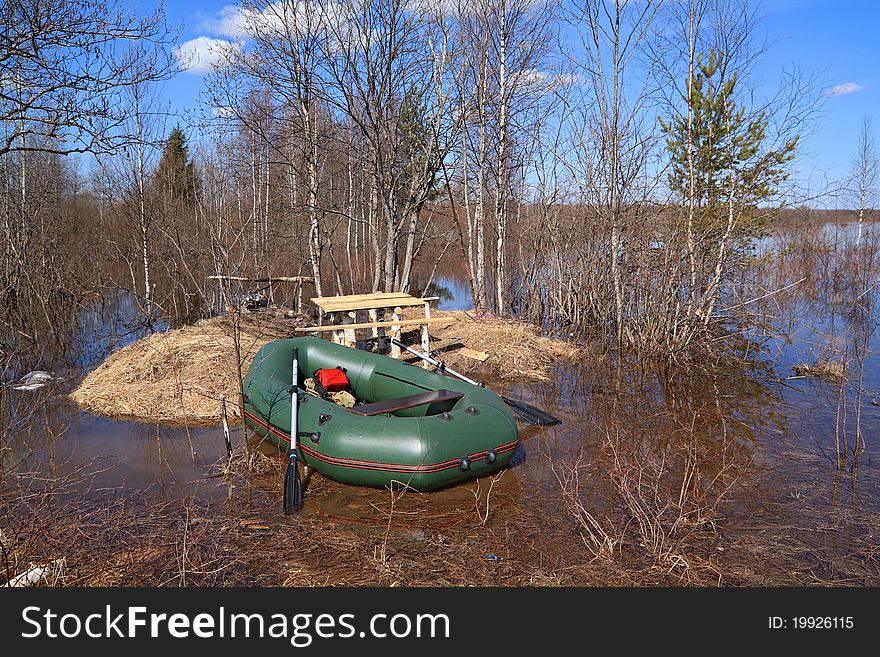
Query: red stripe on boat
pixel 371 465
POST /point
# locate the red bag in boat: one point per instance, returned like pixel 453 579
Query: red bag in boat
pixel 334 380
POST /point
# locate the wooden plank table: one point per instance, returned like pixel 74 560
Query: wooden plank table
pixel 342 311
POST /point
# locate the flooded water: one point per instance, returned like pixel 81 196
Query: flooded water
pixel 737 464
pixel 50 435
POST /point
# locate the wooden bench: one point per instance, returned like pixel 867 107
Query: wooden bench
pixel 271 280
pixel 348 327
pixel 409 401
pixel 342 312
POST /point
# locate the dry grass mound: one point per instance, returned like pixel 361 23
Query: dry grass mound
pixel 517 350
pixel 179 374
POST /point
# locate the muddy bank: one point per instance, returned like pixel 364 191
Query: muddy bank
pixel 476 534
pixel 181 375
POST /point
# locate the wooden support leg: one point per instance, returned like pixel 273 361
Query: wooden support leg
pixel 377 315
pixel 349 337
pixel 426 338
pixel 395 331
pixel 338 335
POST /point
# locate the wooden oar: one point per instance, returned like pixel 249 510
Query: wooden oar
pixel 293 491
pixel 526 412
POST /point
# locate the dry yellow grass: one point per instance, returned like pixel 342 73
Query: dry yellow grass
pixel 517 350
pixel 179 374
pixel 833 370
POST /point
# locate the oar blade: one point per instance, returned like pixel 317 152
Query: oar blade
pixel 293 490
pixel 531 415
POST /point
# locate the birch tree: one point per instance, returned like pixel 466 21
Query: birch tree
pixel 864 174
pixel 288 37
pixel 386 76
pixel 134 168
pixel 65 68
pixel 503 51
pixel 610 136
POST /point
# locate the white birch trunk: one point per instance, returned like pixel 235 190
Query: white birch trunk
pixel 140 182
pixel 501 181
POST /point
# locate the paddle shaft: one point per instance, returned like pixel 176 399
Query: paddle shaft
pixel 292 485
pixel 439 364
pixel 294 405
pixel 526 411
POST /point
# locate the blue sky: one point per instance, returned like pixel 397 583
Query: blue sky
pixel 836 40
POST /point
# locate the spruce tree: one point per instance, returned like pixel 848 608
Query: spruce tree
pixel 176 173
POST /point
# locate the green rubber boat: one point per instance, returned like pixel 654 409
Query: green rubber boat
pixel 410 426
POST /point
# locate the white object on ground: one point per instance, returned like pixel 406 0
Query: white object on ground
pixel 36 574
pixel 32 386
pixel 35 380
pixel 37 376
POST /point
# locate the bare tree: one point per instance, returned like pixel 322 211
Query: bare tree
pixel 134 168
pixel 864 173
pixel 287 38
pixel 62 67
pixel 386 74
pixel 65 71
pixel 610 131
pixel 499 72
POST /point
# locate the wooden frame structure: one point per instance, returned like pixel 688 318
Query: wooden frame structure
pixel 342 311
pixel 271 280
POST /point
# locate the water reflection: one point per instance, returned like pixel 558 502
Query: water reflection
pixel 172 461
pixel 743 433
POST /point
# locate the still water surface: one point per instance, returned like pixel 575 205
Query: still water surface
pixel 778 431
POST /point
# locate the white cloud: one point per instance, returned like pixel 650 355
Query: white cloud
pixel 533 78
pixel 845 88
pixel 280 19
pixel 230 21
pixel 241 23
pixel 203 54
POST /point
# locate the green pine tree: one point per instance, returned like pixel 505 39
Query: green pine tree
pixel 725 139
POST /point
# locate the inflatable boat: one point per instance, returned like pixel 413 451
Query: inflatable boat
pixel 409 426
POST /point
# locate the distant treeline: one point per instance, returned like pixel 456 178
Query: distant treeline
pixel 592 165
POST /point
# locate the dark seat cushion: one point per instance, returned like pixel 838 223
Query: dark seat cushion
pixel 409 401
